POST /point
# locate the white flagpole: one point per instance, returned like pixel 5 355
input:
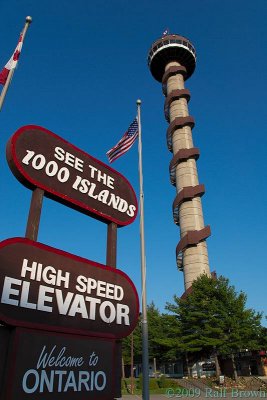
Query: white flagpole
pixel 145 360
pixel 11 72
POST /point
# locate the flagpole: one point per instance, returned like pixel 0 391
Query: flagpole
pixel 145 360
pixel 11 72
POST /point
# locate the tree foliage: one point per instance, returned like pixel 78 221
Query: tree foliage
pixel 162 337
pixel 162 334
pixel 214 317
pixel 137 346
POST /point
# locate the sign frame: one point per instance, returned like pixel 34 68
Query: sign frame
pixel 13 359
pixel 69 329
pixel 30 182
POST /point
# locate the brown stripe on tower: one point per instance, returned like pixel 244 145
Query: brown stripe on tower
pixel 172 60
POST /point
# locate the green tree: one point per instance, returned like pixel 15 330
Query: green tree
pixel 137 346
pixel 169 343
pixel 214 319
pixel 263 338
pixel 155 331
pixel 163 338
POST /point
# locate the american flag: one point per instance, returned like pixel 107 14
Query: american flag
pixel 125 143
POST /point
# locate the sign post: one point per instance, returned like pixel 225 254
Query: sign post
pixel 111 258
pixel 34 214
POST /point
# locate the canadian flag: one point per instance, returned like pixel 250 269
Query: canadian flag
pixel 12 63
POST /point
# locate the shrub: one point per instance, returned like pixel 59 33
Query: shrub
pixel 171 383
pixel 140 381
pixel 162 381
pixel 126 385
pixel 153 384
pixel 123 384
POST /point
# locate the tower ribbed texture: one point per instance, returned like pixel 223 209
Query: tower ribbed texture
pixel 171 61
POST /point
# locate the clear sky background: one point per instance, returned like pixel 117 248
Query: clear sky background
pixel 82 68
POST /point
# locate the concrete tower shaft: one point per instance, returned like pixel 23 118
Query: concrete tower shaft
pixel 178 57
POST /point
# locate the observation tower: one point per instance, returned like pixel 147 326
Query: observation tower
pixel 172 60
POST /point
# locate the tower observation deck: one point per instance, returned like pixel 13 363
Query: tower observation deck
pixel 172 60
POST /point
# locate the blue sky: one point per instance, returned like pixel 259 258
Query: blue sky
pixel 82 68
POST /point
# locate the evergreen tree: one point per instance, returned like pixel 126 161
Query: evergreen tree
pixel 169 343
pixel 137 346
pixel 163 339
pixel 214 319
pixel 155 331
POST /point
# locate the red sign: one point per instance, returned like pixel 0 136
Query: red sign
pixel 39 158
pixel 45 288
pixel 49 366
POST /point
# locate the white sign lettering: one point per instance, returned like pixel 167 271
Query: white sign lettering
pixel 17 292
pixel 83 185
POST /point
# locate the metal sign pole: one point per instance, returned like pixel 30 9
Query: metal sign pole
pixel 145 359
